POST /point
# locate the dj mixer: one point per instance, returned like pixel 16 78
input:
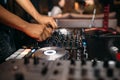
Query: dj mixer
pixel 76 43
pixel 71 53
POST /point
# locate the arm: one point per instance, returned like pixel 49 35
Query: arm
pixel 11 20
pixel 29 8
pixel 33 30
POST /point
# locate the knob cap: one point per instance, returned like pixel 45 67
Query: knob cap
pixel 94 63
pixel 19 76
pixel 26 60
pixel 36 60
pixel 110 72
pixel 44 71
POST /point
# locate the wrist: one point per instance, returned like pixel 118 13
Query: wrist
pixel 23 27
pixel 38 17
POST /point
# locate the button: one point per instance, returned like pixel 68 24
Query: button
pixel 15 67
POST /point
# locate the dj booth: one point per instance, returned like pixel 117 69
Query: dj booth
pixel 73 52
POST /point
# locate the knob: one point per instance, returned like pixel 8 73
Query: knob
pixel 26 60
pixel 72 62
pixel 94 63
pixel 83 62
pixel 100 78
pixel 19 76
pixel 71 71
pixel 106 64
pixel 55 72
pixel 44 70
pixel 110 72
pixel 115 79
pixel 97 72
pixel 117 65
pixel 36 60
pixel 84 72
pixel 58 64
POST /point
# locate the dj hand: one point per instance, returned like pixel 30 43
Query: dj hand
pixel 47 32
pixel 34 31
pixel 47 20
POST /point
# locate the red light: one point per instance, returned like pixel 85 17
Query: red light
pixel 118 56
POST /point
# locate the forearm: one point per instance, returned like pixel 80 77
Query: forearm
pixel 29 8
pixel 12 20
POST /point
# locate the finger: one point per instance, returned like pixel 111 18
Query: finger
pixel 49 26
pixel 53 24
pixel 43 36
pixel 56 23
pixel 49 30
pixel 47 33
pixel 40 39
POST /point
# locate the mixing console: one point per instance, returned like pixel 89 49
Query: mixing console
pixel 35 69
pixel 77 44
pixel 69 54
pixel 72 40
pixel 73 52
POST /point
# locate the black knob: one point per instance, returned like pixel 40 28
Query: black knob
pixel 64 43
pixel 71 44
pixel 59 44
pixel 44 70
pixel 71 71
pixel 97 72
pixel 72 62
pixel 117 65
pixel 55 72
pixel 19 76
pixel 106 64
pixel 94 63
pixel 77 44
pixel 84 72
pixel 110 72
pixel 36 60
pixel 83 62
pixel 54 43
pixel 58 64
pixel 26 60
pixel 100 78
pixel 115 79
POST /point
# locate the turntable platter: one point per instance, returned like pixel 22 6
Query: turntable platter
pixel 50 53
